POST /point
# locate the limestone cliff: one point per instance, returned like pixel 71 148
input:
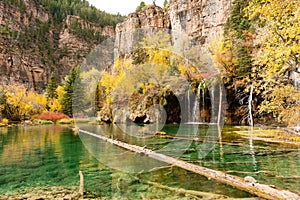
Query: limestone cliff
pixel 32 45
pixel 201 20
pixel 151 17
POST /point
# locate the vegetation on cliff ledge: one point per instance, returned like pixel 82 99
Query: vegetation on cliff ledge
pixel 260 53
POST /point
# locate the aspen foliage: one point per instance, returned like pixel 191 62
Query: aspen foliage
pixel 277 55
pixel 55 104
pixel 18 103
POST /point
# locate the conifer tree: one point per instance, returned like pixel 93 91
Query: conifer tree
pixel 73 98
pixel 51 87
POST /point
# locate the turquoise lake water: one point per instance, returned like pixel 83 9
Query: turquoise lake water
pixel 45 156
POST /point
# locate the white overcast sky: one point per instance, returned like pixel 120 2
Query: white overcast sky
pixel 124 7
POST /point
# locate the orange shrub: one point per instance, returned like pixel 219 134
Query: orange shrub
pixel 51 116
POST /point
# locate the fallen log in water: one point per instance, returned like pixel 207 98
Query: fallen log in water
pixel 205 195
pixel 255 188
pixel 81 183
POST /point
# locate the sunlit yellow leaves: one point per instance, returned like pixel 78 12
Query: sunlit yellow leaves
pixel 21 103
pixel 36 103
pixel 224 56
pixel 125 77
pixel 54 105
pixel 107 81
pixel 277 53
pixel 122 65
pixel 277 38
pixel 157 47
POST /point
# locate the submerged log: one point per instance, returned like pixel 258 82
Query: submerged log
pixel 255 188
pixel 190 192
pixel 81 183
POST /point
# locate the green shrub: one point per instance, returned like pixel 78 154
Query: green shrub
pixel 66 121
pixel 43 122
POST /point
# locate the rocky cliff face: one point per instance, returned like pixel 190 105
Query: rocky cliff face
pixel 31 46
pixel 18 62
pixel 74 47
pixel 152 17
pixel 201 20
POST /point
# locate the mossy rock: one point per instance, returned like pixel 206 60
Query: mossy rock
pixel 160 133
pixel 66 121
pixel 43 122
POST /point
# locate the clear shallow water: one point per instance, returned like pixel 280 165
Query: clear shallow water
pixel 53 155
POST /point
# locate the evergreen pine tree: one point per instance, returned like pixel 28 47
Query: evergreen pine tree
pixel 99 97
pixel 73 98
pixel 51 87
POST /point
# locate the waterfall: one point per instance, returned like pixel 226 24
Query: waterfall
pixel 196 109
pixel 188 105
pixel 296 79
pixel 198 92
pixel 203 102
pixel 212 100
pixel 250 106
pixel 124 116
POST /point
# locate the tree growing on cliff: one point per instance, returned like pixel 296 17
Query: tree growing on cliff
pixel 73 97
pixel 140 7
pixel 277 56
pixel 238 40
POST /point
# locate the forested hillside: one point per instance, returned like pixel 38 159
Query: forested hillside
pixel 41 37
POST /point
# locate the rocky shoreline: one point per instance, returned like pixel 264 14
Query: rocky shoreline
pixel 46 193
